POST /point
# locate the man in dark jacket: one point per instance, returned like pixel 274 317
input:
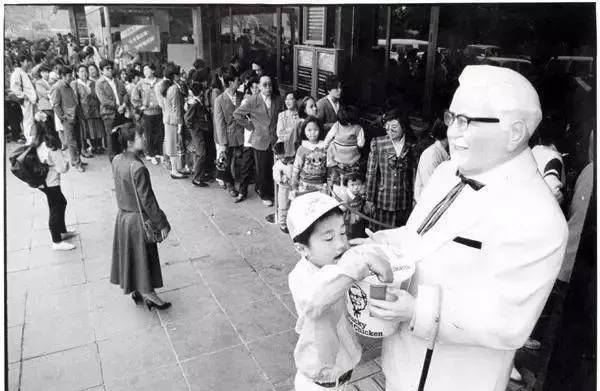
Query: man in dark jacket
pixel 65 106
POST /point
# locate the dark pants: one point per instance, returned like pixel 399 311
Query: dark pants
pixel 264 173
pixel 246 169
pixel 109 124
pixel 200 158
pixel 72 140
pixel 154 133
pixel 50 120
pixel 57 205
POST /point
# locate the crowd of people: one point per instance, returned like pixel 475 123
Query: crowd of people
pixel 234 125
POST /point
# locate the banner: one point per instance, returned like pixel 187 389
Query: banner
pixel 140 38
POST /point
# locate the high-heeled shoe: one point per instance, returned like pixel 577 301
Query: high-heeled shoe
pixel 150 304
pixel 137 297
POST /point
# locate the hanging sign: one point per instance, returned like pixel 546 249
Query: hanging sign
pixel 140 38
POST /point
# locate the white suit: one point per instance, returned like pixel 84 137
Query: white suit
pixel 491 296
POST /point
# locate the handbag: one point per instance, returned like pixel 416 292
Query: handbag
pixel 152 233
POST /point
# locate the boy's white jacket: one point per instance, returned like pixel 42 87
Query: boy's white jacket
pixel 491 297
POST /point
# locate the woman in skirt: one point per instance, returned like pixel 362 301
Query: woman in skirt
pixel 91 123
pixel 135 263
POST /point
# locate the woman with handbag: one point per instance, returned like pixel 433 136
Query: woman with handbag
pixel 140 225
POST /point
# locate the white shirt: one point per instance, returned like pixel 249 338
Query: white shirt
pixel 231 97
pixel 267 100
pixel 322 353
pixel 336 105
pixel 431 157
pixel 21 85
pixel 56 162
pixel 398 145
pixel 113 85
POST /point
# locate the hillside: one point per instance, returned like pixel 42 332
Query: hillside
pixel 33 22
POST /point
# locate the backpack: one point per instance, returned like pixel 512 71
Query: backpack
pixel 26 165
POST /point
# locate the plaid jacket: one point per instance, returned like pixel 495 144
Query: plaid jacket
pixel 390 179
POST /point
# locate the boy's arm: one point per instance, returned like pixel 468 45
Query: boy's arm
pixel 332 281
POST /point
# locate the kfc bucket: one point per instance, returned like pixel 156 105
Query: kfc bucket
pixel 357 300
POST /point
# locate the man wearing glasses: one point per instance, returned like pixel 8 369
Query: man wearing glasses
pixel 488 238
pixel 259 114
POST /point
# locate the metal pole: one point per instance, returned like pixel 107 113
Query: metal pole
pixel 431 56
pixel 278 45
pixel 388 40
pixel 109 51
pixel 231 30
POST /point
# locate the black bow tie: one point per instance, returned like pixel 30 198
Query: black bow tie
pixel 475 185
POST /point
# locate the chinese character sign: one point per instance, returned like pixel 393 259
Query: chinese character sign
pixel 140 38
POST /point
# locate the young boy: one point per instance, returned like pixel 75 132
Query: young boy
pixel 353 195
pixel 327 350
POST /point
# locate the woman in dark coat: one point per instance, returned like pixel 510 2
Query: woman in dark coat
pixel 135 263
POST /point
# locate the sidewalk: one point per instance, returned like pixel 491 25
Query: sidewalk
pixel 225 271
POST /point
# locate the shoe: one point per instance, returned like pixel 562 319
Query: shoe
pixel 84 163
pixel 137 297
pixel 68 235
pixel 185 171
pixel 178 176
pixel 267 203
pixel 159 157
pixel 23 141
pixel 62 246
pixel 87 155
pixel 80 167
pixel 199 184
pixel 148 157
pixel 153 160
pixel 515 375
pixel 233 193
pixel 240 197
pixel 284 230
pixel 150 304
pixel 532 344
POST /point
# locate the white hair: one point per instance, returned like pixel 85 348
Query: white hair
pixel 509 93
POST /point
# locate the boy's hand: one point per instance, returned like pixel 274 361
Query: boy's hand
pixel 359 261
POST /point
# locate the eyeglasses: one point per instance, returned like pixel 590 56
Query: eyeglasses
pixel 462 121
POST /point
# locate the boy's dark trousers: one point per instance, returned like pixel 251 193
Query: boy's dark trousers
pixel 154 132
pixel 264 174
pixel 57 205
pixel 200 158
pixel 246 169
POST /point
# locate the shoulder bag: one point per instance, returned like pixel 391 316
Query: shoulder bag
pixel 152 233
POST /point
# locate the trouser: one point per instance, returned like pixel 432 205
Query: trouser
pixel 50 120
pixel 283 175
pixel 200 161
pixel 247 167
pixel 28 110
pixel 73 141
pixel 225 171
pixel 264 173
pixel 154 133
pixel 57 205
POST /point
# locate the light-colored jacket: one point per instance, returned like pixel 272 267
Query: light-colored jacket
pixel 495 255
pixel 262 121
pixel 107 98
pixel 227 130
pixel 173 106
pixel 42 87
pixel 144 94
pixel 56 162
pixel 22 86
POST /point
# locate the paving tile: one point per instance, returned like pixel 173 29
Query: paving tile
pixel 70 370
pixel 215 372
pixel 172 252
pixel 227 258
pixel 170 378
pixel 17 284
pixel 104 294
pixel 275 355
pixel 194 301
pixel 194 337
pixel 286 385
pixel 15 309
pixel 49 335
pixel 58 303
pixel 98 249
pixel 365 369
pixel 17 260
pixel 276 277
pixel 14 375
pixel 45 256
pixel 379 378
pixel 122 317
pixel 367 384
pixel 236 286
pixel 14 336
pixel 55 276
pixel 261 319
pixel 17 241
pixel 288 301
pixel 96 231
pixel 179 275
pixel 129 354
pixel 96 269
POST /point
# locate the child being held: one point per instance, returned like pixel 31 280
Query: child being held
pixel 327 350
pixel 310 170
pixel 353 194
pixel 343 141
